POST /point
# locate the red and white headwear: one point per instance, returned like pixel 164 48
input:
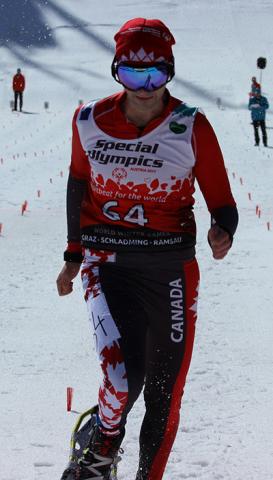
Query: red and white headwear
pixel 142 40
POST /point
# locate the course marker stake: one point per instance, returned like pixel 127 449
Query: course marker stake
pixel 69 398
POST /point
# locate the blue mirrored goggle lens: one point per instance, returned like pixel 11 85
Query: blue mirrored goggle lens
pixel 150 78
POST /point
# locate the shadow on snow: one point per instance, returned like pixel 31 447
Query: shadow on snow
pixel 23 26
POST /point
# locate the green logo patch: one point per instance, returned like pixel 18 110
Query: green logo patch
pixel 177 127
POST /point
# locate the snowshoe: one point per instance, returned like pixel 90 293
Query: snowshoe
pixel 93 455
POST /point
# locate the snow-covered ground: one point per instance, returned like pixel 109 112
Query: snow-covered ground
pixel 65 48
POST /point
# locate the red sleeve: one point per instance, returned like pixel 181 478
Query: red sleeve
pixel 211 175
pixel 23 83
pixel 79 166
pixel 209 169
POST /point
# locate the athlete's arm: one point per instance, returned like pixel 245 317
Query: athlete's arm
pixel 213 181
pixel 76 186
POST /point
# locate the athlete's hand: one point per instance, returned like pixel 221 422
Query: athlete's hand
pixel 64 281
pixel 219 241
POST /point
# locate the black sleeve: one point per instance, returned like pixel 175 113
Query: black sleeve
pixel 75 193
pixel 227 218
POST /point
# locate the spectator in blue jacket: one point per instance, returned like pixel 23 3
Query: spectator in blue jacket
pixel 258 105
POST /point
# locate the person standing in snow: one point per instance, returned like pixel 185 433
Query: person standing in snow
pixel 18 85
pixel 131 230
pixel 258 104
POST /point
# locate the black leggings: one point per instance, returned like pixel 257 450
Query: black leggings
pixel 256 125
pixel 142 308
pixel 16 95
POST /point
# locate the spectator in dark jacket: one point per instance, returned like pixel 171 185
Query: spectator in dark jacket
pixel 258 105
pixel 18 86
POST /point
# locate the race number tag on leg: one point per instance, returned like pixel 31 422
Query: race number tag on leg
pixel 104 327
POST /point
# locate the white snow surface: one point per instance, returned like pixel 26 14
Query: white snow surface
pixel 65 49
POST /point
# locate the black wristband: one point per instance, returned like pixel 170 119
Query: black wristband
pixel 75 257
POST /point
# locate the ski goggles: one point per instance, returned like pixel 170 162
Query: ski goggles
pixel 146 78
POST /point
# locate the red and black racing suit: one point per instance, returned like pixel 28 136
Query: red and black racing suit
pixel 133 223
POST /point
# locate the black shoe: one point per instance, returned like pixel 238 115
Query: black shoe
pixel 100 458
pixel 256 145
pixel 94 455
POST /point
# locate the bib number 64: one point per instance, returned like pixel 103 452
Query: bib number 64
pixel 134 215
